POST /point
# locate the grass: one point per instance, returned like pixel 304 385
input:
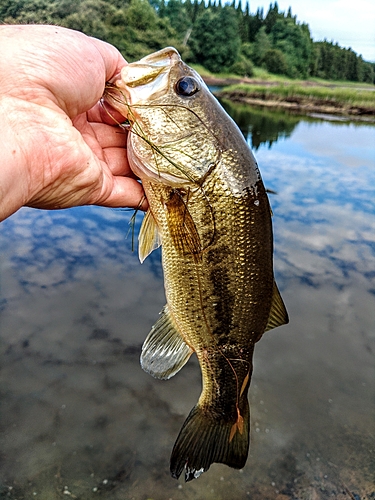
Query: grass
pixel 263 75
pixel 344 96
pixel 324 95
pixel 267 86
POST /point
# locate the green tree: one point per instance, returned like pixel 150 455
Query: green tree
pixel 197 9
pixel 140 15
pixel 90 17
pixel 177 13
pixel 189 9
pixel 27 11
pixel 243 27
pixel 11 9
pixel 275 62
pixel 145 31
pixel 273 15
pixel 295 42
pixel 354 66
pixel 255 23
pixel 215 42
pixel 261 45
pixel 242 67
pixel 247 50
pixel 138 27
pixel 336 63
pixel 368 72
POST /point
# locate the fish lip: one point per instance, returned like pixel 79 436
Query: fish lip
pixel 141 83
pixel 147 77
pixel 159 58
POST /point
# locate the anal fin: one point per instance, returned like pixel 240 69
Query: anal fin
pixel 149 238
pixel 164 351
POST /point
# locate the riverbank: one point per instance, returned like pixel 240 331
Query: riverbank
pixel 329 98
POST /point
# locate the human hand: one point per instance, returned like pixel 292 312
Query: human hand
pixel 60 147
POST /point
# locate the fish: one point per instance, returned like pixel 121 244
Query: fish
pixel 209 211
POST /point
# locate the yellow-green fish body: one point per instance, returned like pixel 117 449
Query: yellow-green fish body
pixel 209 210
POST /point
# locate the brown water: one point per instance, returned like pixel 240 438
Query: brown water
pixel 79 418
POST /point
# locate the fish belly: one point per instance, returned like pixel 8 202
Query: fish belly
pixel 219 299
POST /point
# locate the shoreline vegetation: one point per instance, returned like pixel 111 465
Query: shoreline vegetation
pixel 221 35
pixel 266 58
pixel 354 101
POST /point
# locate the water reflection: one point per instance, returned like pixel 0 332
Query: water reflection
pixel 79 417
pixel 261 126
pixel 265 126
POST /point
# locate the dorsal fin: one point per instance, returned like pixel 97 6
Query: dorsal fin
pixel 278 314
pixel 164 351
pixel 149 237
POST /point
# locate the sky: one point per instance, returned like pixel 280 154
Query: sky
pixel 350 23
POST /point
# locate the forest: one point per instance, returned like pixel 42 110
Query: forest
pixel 222 37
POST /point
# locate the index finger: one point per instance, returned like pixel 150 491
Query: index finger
pixel 112 58
pixel 103 112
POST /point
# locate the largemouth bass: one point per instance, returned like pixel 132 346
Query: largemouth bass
pixel 209 209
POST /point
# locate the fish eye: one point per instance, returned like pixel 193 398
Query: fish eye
pixel 187 86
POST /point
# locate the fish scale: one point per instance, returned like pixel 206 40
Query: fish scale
pixel 210 211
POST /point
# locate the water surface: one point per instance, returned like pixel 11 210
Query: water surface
pixel 80 419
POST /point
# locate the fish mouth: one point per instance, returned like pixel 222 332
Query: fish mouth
pixel 147 78
pixel 149 83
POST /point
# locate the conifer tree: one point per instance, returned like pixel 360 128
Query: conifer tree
pixel 138 27
pixel 273 15
pixel 215 42
pixel 254 24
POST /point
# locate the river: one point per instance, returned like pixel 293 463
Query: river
pixel 80 419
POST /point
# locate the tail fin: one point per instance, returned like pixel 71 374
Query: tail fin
pixel 205 439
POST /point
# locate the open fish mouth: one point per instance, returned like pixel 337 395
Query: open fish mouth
pixel 153 94
pixel 148 78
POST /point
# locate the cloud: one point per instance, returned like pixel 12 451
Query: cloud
pixel 323 214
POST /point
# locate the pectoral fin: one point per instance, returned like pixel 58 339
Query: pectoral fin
pixel 278 314
pixel 181 226
pixel 164 351
pixel 149 237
